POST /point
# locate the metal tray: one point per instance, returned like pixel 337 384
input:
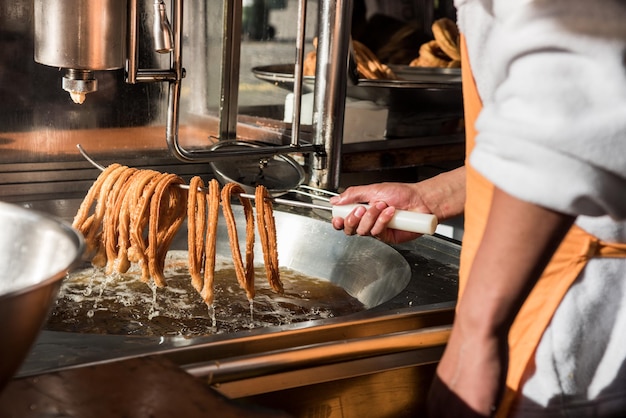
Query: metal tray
pixel 415 80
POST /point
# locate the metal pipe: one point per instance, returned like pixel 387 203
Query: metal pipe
pixel 231 51
pixel 174 76
pixel 141 75
pixel 161 29
pixel 230 77
pixel 298 73
pixel 331 77
pixel 132 43
pixel 247 366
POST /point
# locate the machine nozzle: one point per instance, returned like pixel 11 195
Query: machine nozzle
pixel 78 83
pixel 161 29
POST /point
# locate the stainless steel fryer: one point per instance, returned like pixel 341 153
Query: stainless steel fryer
pixel 405 327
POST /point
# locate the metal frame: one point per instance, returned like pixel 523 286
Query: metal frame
pixel 329 96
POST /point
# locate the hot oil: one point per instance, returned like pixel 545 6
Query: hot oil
pixel 92 302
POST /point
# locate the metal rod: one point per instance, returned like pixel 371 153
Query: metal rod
pixel 88 157
pixel 225 370
pixel 298 73
pixel 176 72
pixel 331 77
pixel 294 203
pixel 231 55
pixel 133 34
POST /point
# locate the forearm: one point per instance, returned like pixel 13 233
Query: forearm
pixel 518 242
pixel 444 194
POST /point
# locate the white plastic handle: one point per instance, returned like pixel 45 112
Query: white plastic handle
pixel 403 220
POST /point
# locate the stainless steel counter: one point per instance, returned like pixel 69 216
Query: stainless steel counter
pixel 430 292
pixel 406 332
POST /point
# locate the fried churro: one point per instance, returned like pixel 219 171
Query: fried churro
pixel 213 203
pixel 245 276
pixel 130 216
pixel 196 227
pixel 267 233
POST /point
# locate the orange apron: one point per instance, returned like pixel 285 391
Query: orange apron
pixel 565 266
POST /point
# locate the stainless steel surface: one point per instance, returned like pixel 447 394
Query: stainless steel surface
pixel 161 29
pixel 449 76
pixel 411 78
pixel 421 275
pixel 36 252
pixel 315 355
pixel 81 36
pixel 231 50
pixel 421 97
pixel 329 100
pixel 298 72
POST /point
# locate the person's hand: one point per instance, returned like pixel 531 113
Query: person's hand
pixel 383 199
pixel 442 195
pixel 470 376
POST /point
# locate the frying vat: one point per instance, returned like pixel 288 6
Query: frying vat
pixel 36 252
pixel 421 312
pixel 366 269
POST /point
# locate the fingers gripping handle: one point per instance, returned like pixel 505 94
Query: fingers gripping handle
pixel 403 220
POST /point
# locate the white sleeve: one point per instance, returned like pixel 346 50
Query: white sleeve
pixel 553 126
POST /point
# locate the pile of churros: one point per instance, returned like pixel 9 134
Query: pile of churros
pixel 444 51
pixel 367 63
pixel 130 216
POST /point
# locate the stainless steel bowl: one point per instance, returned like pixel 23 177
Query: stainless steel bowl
pixel 36 252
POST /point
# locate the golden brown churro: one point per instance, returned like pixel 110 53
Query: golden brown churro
pixel 368 64
pixel 213 203
pixel 444 51
pixel 196 226
pixel 245 276
pixel 83 220
pixel 446 34
pixel 94 237
pixel 112 217
pixel 139 219
pixel 267 233
pixel 131 216
pixel 167 214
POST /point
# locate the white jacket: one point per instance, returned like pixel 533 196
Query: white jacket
pixel 552 78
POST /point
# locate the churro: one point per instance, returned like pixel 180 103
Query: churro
pixel 245 276
pixel 213 203
pixel 267 234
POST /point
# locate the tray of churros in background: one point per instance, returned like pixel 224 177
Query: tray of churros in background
pixel 282 75
pixel 437 68
pixel 422 96
pixel 413 80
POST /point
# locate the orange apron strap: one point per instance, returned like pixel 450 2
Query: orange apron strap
pixel 535 315
pixel 536 312
pixel 478 201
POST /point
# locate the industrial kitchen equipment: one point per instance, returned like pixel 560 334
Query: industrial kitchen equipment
pixel 36 252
